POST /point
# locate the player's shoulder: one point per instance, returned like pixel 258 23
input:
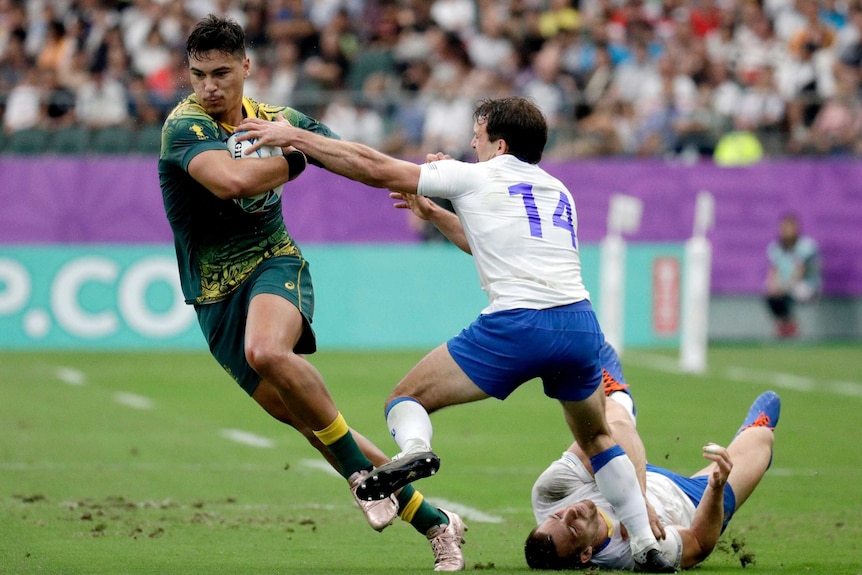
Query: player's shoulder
pixel 452 164
pixel 514 164
pixel 774 249
pixel 807 245
pixel 454 178
pixel 617 553
pixel 270 112
pixel 189 118
pixel 511 168
pixel 187 108
pixel 261 110
pixel 542 175
pixel 266 111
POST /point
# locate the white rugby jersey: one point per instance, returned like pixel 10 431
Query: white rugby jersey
pixel 521 225
pixel 567 481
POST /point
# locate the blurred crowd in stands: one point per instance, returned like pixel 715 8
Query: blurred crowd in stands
pixel 614 77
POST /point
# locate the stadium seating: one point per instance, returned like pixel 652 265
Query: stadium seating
pixel 27 142
pixel 69 140
pixel 112 140
pixel 148 139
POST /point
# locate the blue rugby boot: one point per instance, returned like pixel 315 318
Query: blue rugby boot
pixel 764 412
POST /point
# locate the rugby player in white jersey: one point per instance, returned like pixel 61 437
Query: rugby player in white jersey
pixel 577 527
pixel 520 224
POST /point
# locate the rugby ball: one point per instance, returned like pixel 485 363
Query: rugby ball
pixel 261 202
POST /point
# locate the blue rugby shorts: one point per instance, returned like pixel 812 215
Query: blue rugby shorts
pixel 561 346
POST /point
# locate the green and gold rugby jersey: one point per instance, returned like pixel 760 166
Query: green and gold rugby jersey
pixel 218 244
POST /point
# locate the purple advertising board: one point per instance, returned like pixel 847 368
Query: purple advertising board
pixel 103 200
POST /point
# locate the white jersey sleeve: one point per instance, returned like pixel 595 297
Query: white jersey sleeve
pixel 671 546
pixel 564 482
pixel 521 225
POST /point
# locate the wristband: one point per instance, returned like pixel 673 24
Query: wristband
pixel 295 163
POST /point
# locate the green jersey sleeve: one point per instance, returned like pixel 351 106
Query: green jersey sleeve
pixel 187 132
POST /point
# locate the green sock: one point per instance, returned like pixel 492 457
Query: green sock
pixel 337 438
pixel 423 517
pixel 349 456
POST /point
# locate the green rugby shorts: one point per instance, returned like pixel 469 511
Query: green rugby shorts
pixel 223 322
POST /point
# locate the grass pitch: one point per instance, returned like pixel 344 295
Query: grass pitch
pixel 156 463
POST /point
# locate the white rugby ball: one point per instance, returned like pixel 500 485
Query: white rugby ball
pixel 266 200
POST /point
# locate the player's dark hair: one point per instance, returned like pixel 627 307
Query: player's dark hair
pixel 541 553
pixel 519 122
pixel 223 35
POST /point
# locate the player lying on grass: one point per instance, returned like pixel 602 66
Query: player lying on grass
pixel 520 224
pixel 577 528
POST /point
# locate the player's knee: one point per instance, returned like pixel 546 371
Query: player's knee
pixel 265 358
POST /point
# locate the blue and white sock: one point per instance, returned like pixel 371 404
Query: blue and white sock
pixel 616 479
pixel 409 424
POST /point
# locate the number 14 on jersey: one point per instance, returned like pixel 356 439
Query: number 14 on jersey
pixel 562 217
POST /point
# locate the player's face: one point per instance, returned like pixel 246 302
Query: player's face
pixel 217 80
pixel 573 529
pixel 789 231
pixel 485 149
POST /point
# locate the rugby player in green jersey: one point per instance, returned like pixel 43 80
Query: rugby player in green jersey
pixel 247 279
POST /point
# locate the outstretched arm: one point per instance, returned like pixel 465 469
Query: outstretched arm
pixel 444 220
pixel 447 222
pixel 349 159
pixel 700 539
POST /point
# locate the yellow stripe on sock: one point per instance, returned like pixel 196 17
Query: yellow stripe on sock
pixel 334 431
pixel 412 507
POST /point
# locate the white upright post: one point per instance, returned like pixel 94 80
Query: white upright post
pixel 695 289
pixel 612 279
pixel 624 216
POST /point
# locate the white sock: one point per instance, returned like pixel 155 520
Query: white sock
pixel 409 425
pixel 617 481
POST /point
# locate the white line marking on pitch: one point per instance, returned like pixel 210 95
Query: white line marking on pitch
pixel 656 362
pixel 70 375
pixel 785 380
pixel 133 400
pixel 846 388
pixel 464 511
pixel 247 438
pixel 320 465
pixel 749 375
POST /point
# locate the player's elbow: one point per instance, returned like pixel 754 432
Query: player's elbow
pixel 396 175
pixel 233 187
pixel 696 554
pixel 380 176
